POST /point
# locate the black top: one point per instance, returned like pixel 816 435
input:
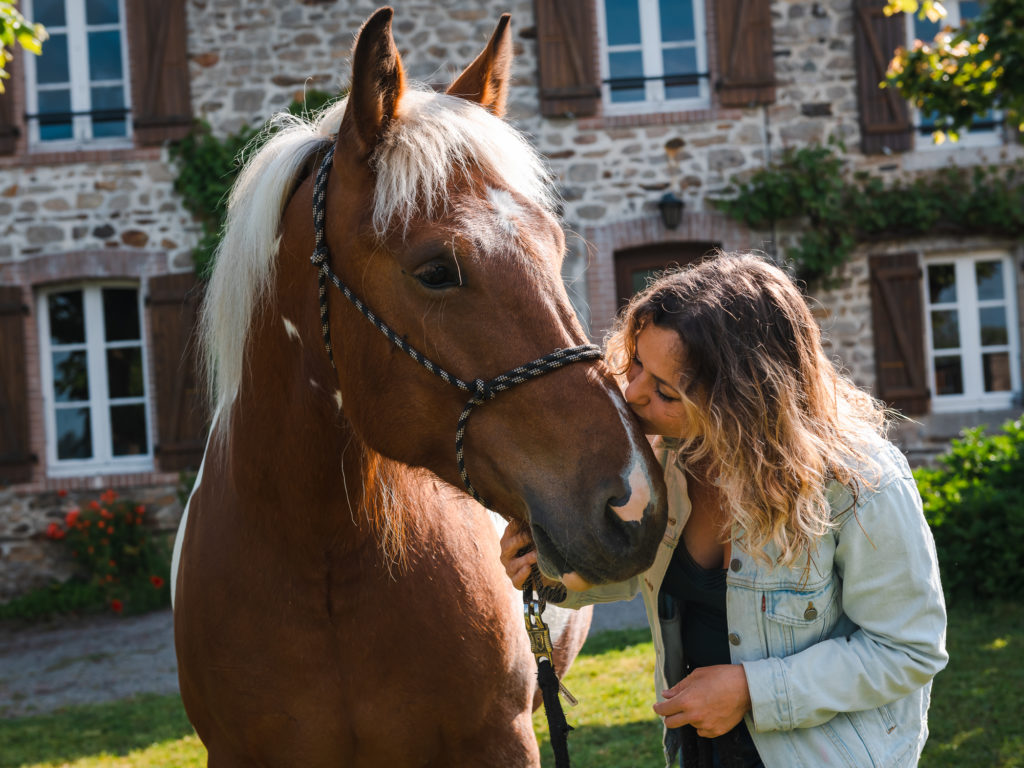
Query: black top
pixel 700 594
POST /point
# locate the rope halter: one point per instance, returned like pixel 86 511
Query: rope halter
pixel 480 390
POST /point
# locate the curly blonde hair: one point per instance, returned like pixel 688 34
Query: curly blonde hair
pixel 767 416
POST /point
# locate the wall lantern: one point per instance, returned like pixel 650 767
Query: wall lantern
pixel 671 208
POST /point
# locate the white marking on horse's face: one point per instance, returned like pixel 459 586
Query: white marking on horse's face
pixel 639 495
pixel 337 399
pixel 638 482
pixel 508 211
pixel 291 330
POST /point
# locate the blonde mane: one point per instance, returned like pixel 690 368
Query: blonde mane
pixel 433 138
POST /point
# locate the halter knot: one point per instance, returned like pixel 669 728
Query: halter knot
pixel 482 391
pixel 319 257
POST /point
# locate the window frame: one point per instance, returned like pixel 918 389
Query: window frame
pixel 79 83
pixel 978 137
pixel 970 350
pixel 102 460
pixel 651 48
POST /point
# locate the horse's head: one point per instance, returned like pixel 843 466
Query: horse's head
pixel 438 217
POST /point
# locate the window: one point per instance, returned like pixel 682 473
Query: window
pixel 971 329
pixel 77 91
pixel 653 55
pixel 986 130
pixel 94 380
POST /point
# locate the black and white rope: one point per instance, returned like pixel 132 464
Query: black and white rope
pixel 481 390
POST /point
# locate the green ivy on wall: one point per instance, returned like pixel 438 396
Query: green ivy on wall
pixel 810 190
pixel 207 166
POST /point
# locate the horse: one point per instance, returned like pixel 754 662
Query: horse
pixel 338 595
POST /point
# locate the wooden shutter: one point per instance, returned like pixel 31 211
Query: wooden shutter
pixel 884 115
pixel 565 58
pixel 10 125
pixel 897 319
pixel 16 458
pixel 161 102
pixel 174 302
pixel 745 53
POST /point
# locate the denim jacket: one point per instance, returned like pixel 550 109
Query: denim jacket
pixel 839 660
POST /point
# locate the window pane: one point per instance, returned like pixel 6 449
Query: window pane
pixel 989 275
pixel 993 326
pixel 676 20
pixel 67 320
pixel 74 434
pixel 996 367
pixel 969 9
pixel 124 372
pixel 641 278
pixel 105 55
pixel 945 329
pixel 949 379
pixel 121 314
pixel 108 117
pixel 128 429
pixel 942 283
pixel 49 13
pixel 70 376
pixel 631 67
pixel 680 61
pixel 101 12
pixel 58 104
pixel 52 67
pixel 623 19
pixel 927 30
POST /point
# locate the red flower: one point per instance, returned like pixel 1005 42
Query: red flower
pixel 62 492
pixel 156 581
pixel 100 524
pixel 140 510
pixel 108 496
pixel 106 514
pixel 72 517
pixel 94 505
pixel 54 531
pixel 113 564
pixel 116 605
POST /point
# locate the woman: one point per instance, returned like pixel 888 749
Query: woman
pixel 795 603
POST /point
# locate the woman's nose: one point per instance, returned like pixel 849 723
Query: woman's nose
pixel 634 391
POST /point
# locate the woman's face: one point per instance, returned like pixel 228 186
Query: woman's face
pixel 653 382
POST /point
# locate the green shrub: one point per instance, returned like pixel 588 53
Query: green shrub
pixel 974 503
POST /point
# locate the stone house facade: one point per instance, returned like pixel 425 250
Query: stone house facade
pixel 628 99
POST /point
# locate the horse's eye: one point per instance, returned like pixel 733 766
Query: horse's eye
pixel 437 275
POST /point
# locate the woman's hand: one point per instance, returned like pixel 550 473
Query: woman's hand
pixel 515 538
pixel 711 699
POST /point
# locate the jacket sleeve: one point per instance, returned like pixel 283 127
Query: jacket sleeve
pixel 885 561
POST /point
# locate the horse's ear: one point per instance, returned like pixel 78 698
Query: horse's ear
pixel 378 82
pixel 485 81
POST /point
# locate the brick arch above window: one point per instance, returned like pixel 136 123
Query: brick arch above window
pixel 605 241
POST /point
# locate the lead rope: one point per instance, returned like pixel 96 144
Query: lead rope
pixel 481 391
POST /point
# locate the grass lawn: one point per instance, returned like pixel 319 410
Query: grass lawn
pixel 974 718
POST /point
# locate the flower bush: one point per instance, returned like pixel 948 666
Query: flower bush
pixel 122 561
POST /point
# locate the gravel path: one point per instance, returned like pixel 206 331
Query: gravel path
pixel 106 658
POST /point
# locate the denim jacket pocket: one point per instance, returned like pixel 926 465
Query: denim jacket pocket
pixel 796 619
